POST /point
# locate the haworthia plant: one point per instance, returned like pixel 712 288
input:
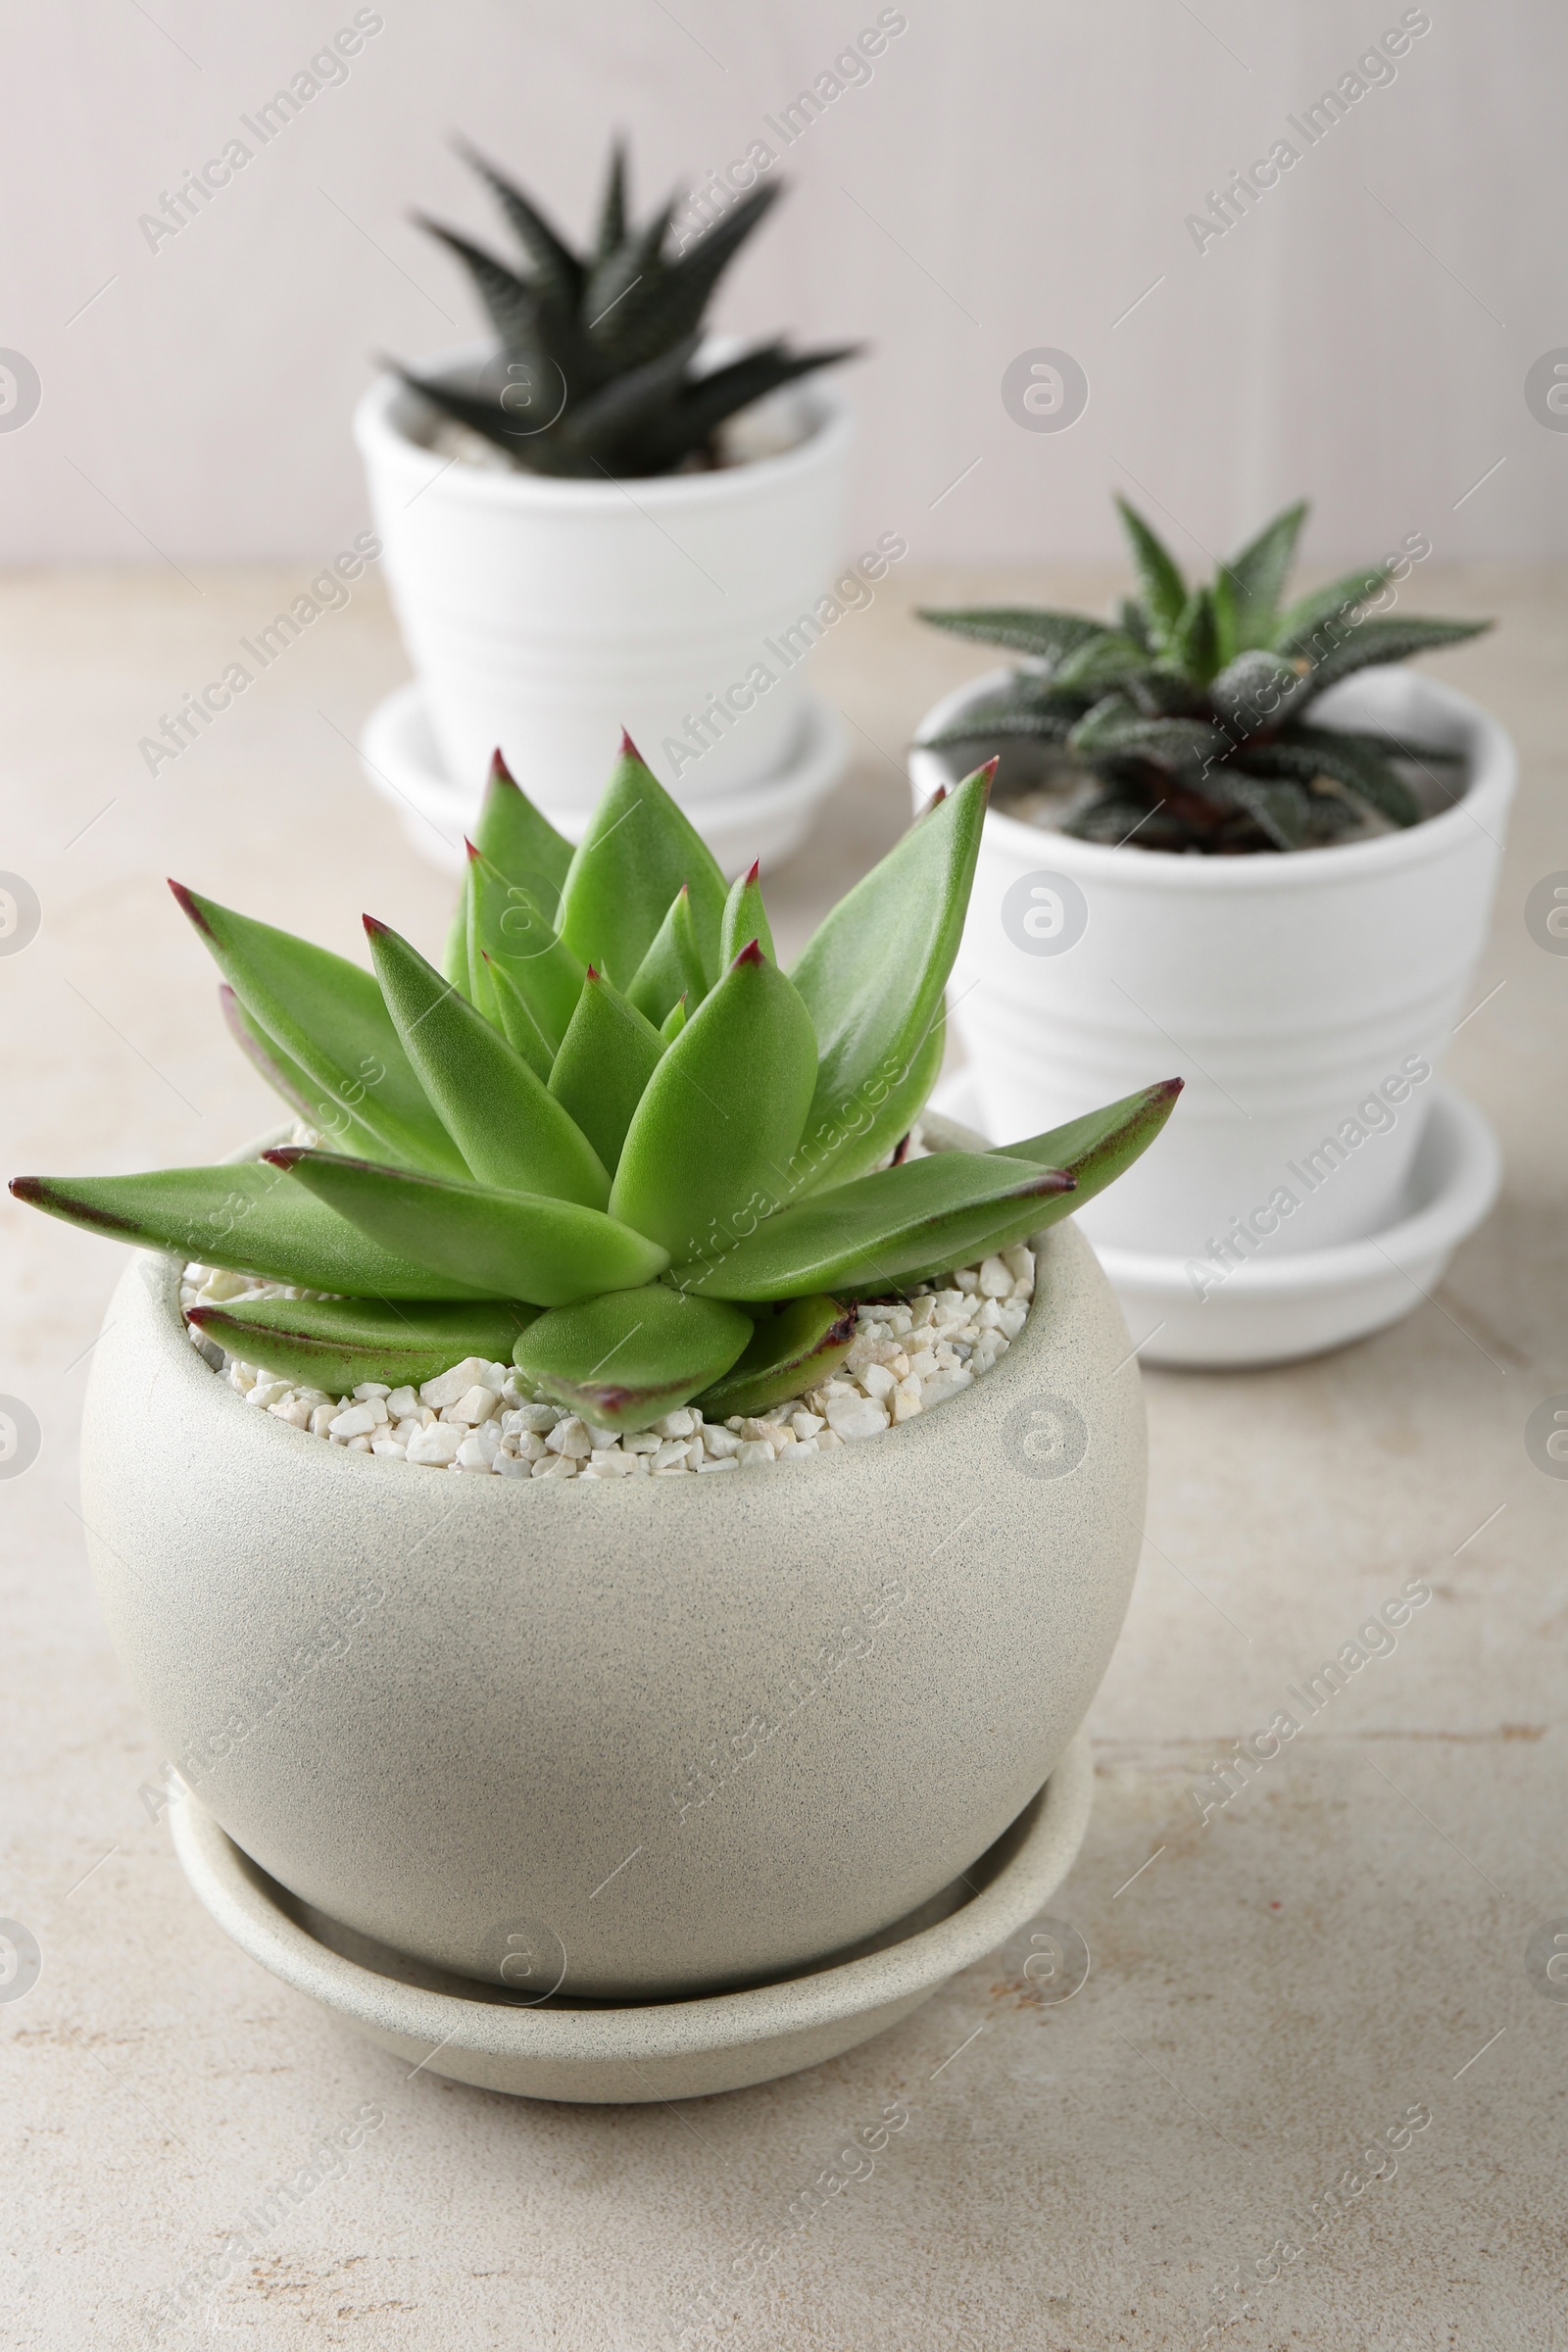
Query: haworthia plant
pixel 612 1137
pixel 1188 714
pixel 598 367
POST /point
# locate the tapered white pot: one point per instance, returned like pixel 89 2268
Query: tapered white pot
pixel 1308 999
pixel 659 1736
pixel 543 615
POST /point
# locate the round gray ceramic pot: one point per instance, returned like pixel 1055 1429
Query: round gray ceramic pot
pixel 634 1738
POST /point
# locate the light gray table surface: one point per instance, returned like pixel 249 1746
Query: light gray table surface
pixel 1343 1943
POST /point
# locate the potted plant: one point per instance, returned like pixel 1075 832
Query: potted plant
pixel 1226 822
pixel 599 1211
pixel 603 512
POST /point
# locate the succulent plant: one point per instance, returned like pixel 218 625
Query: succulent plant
pixel 597 371
pixel 1191 713
pixel 612 1140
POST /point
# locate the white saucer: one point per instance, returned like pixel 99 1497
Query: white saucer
pixel 767 820
pixel 1272 1310
pixel 600 2050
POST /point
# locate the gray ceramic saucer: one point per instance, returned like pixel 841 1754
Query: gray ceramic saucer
pixel 551 2048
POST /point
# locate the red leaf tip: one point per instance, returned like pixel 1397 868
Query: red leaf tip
pixel 752 875
pixel 374 927
pixel 283 1156
pixel 499 773
pixel 474 854
pixel 187 904
pixel 750 953
pixel 589 973
pixel 629 750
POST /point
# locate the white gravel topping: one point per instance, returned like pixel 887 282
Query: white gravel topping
pixel 907 1355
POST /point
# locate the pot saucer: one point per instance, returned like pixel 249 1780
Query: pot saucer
pixel 767 820
pixel 1276 1310
pixel 599 2050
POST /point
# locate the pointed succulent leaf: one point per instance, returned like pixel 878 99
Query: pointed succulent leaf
pixel 499 1245
pixel 1227 628
pixel 1195 640
pixel 1360 762
pixel 671 972
pixel 520 842
pixel 307 1100
pixel 1049 637
pixel 861 1236
pixel 1255 690
pixel 637 852
pixel 1317 622
pixel 244 1216
pixel 1162 592
pixel 1096 1149
pixel 745 919
pixel 455 954
pixel 1041 718
pixel 887 1120
pixel 606 1058
pixel 613 210
pixel 1133 621
pixel 336 1344
pixel 673 1022
pixel 330 1018
pixel 790 1351
pixel 1281 811
pixel 872 975
pixel 510 1128
pixel 705 401
pixel 1256 576
pixel 711 1140
pixel 1381 641
pixel 1103 662
pixel 1187 746
pixel 507 925
pixel 506 1007
pixel 626 1357
pixel 558 272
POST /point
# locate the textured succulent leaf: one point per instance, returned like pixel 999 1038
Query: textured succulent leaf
pixel 889 1116
pixel 455 954
pixel 1050 638
pixel 673 1022
pixel 1162 592
pixel 1317 622
pixel 1104 662
pixel 507 925
pixel 1032 720
pixel 1227 627
pixel 637 852
pixel 1255 690
pixel 499 1245
pixel 288 1080
pixel 1360 761
pixel 336 1344
pixel 1195 639
pixel 627 1357
pixel 1256 576
pixel 861 1236
pixel 246 1217
pixel 329 1017
pixel 558 272
pixel 505 1006
pixel 707 400
pixel 1188 746
pixel 712 1142
pixel 745 919
pixel 520 842
pixel 1103 1144
pixel 613 207
pixel 606 1058
pixel 510 1128
pixel 1282 811
pixel 790 1351
pixel 872 975
pixel 1380 641
pixel 671 972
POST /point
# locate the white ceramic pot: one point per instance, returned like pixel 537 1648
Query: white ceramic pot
pixel 545 615
pixel 627 1740
pixel 1306 1000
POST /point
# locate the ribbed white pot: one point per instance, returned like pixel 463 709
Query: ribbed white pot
pixel 636 1738
pixel 542 616
pixel 1308 999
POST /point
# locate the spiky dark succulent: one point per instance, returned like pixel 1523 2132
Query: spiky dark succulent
pixel 597 372
pixel 613 1140
pixel 1189 713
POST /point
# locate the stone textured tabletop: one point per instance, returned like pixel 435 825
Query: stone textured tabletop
pixel 1340 1947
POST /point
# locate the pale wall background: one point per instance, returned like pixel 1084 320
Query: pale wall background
pixel 1014 174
